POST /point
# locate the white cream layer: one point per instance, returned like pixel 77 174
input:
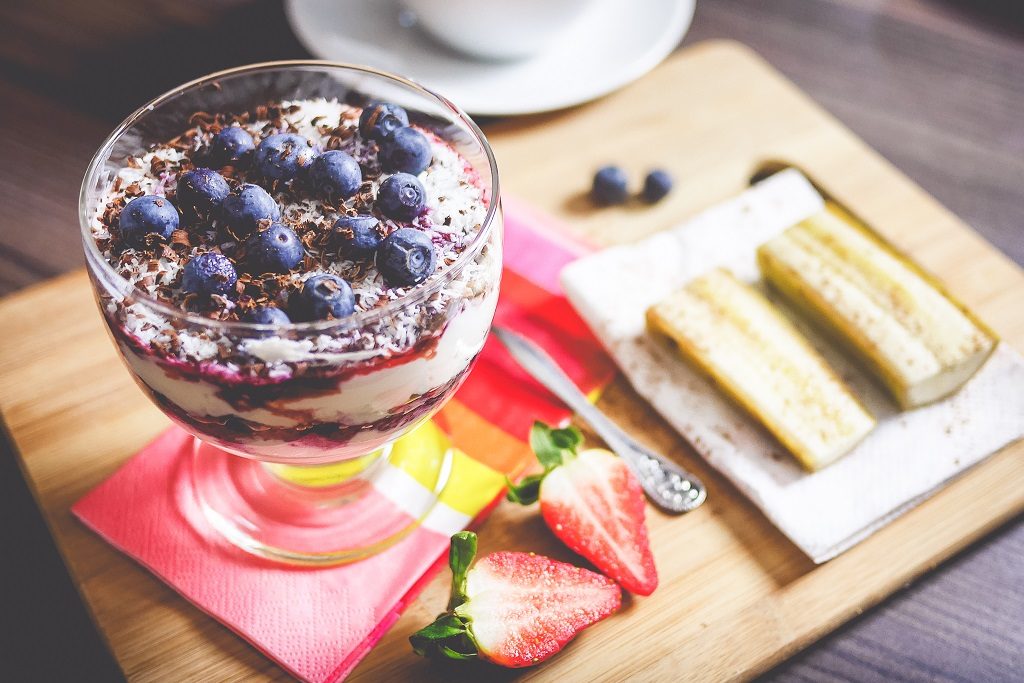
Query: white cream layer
pixel 361 399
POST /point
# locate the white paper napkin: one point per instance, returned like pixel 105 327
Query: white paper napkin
pixel 908 456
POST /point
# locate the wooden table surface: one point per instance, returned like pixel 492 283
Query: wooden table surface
pixel 936 86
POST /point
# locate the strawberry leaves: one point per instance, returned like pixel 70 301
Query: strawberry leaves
pixel 527 491
pixel 553 448
pixel 448 636
pixel 551 445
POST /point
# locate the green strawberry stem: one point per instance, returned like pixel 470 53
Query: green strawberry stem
pixel 460 557
pixel 448 636
pixel 553 448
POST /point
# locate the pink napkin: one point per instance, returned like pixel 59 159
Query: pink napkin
pixel 315 623
pixel 318 623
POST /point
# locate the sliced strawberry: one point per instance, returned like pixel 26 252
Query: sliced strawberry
pixel 514 609
pixel 594 504
pixel 522 608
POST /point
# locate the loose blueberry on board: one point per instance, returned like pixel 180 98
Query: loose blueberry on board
pixel 283 155
pixel 273 250
pixel 246 206
pixel 401 197
pixel 324 296
pixel 266 315
pixel 657 185
pixel 147 215
pixel 209 273
pixel 334 175
pixel 200 192
pixel 232 146
pixel 357 237
pixel 610 186
pixel 407 150
pixel 406 257
pixel 380 119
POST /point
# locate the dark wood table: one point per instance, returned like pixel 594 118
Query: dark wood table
pixel 937 86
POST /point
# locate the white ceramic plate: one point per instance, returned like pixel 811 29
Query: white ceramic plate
pixel 611 46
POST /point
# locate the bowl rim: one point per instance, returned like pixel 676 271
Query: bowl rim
pixel 358 319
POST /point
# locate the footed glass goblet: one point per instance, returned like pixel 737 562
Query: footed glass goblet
pixel 294 419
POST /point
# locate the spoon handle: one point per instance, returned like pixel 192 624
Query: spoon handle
pixel 667 485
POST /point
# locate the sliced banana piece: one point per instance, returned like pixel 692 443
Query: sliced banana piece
pixel 732 334
pixel 914 338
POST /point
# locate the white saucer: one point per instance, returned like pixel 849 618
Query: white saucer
pixel 611 46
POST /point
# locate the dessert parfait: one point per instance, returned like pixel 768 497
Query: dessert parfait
pixel 298 279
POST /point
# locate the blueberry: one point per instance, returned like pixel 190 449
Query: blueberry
pixel 273 250
pixel 380 119
pixel 357 236
pixel 147 215
pixel 266 315
pixel 231 146
pixel 401 197
pixel 244 208
pixel 406 257
pixel 407 150
pixel 610 186
pixel 200 192
pixel 324 296
pixel 657 184
pixel 334 174
pixel 209 273
pixel 283 155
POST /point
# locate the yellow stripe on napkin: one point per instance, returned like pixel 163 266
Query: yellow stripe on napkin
pixel 471 484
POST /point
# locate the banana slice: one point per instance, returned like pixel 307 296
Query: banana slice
pixel 731 333
pixel 917 341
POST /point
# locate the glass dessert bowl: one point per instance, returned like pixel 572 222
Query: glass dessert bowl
pixel 299 263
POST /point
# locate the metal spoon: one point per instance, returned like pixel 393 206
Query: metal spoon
pixel 667 485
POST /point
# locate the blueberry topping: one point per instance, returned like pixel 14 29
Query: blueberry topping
pixel 273 250
pixel 406 257
pixel 246 206
pixel 407 150
pixel 357 237
pixel 380 119
pixel 147 215
pixel 266 315
pixel 232 146
pixel 657 184
pixel 209 273
pixel 324 296
pixel 401 197
pixel 283 155
pixel 200 192
pixel 334 174
pixel 610 186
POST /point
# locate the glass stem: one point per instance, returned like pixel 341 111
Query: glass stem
pixel 331 474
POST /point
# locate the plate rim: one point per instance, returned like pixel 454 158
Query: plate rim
pixel 666 42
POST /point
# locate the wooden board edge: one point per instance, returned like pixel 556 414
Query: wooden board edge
pixel 42 289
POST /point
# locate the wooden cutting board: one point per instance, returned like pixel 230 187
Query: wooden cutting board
pixel 736 597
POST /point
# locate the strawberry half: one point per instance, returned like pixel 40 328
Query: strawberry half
pixel 513 609
pixel 593 503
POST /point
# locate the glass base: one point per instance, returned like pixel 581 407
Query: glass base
pixel 316 514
